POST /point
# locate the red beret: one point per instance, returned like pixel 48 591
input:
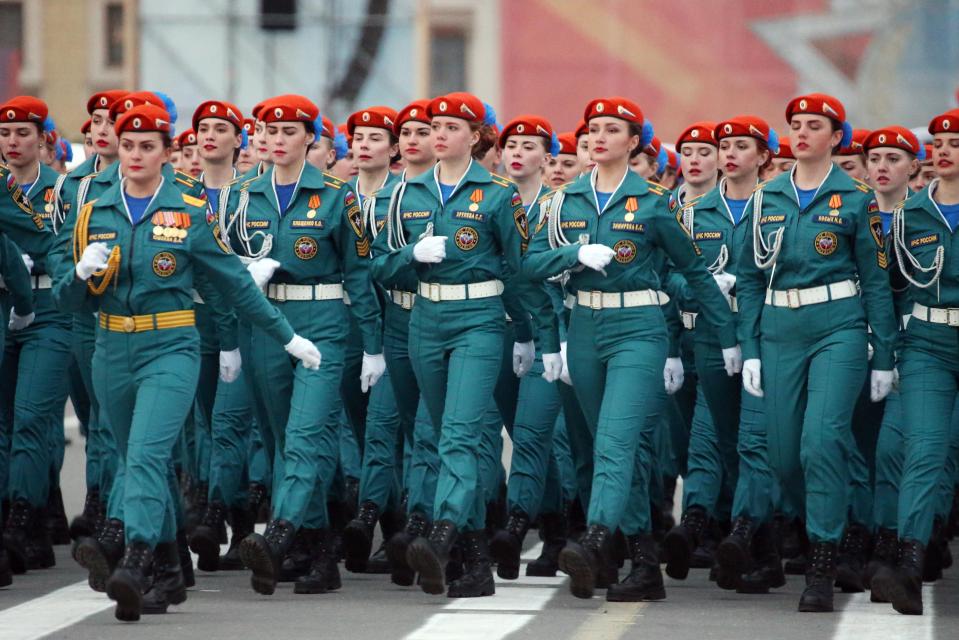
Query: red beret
pixel 855 146
pixel 652 149
pixel 346 134
pixel 218 109
pixel 85 127
pixel 458 105
pixel 416 110
pixel 249 124
pixel 135 99
pixel 255 111
pixel 104 99
pixel 527 125
pixel 289 108
pixel 818 104
pixel 143 118
pixel 24 109
pixel 615 107
pixel 329 129
pixel 785 150
pixel 703 131
pixel 893 136
pixel 186 139
pixel 673 159
pixel 567 143
pixel 947 122
pixel 379 117
pixel 582 129
pixel 928 148
pixel 749 126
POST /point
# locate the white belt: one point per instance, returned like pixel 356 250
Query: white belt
pixel 402 299
pixel 733 305
pixel 196 297
pixel 936 315
pixel 346 298
pixel 689 317
pixel 569 301
pixel 436 292
pixel 283 292
pixel 616 300
pixel 795 298
pixel 41 282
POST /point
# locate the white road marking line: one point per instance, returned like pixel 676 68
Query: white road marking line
pixel 506 599
pixel 470 626
pixel 533 552
pixel 47 614
pixel 860 618
pixel 533 581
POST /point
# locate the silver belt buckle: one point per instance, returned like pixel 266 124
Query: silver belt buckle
pixel 596 300
pixel 434 292
pixel 280 292
pixel 952 317
pixel 792 298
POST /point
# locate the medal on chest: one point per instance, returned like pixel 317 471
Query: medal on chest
pixel 170 226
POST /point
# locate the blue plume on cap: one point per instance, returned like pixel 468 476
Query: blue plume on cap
pixel 922 152
pixel 59 151
pixel 340 145
pixel 773 141
pixel 244 139
pixel 48 124
pixel 554 146
pixel 490 117
pixel 170 107
pixel 318 125
pixel 662 159
pixel 846 135
pixel 648 134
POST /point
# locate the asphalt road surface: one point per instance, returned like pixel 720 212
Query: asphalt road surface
pixel 57 604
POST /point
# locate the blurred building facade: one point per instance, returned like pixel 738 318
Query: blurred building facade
pixel 888 60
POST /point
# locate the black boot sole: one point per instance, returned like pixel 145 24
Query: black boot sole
pixel 81 527
pixel 901 599
pixel 400 574
pixel 422 559
pixel 487 589
pixel 98 567
pixel 18 560
pixel 506 556
pixel 814 606
pixel 126 593
pixel 848 580
pixel 582 579
pixel 178 596
pixel 545 569
pixel 617 594
pixel 255 554
pixel 230 563
pixel 206 545
pixel 678 555
pixel 357 546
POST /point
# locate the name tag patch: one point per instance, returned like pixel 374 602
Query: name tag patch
pixel 924 240
pixel 772 218
pixel 629 227
pixel 416 215
pixel 257 224
pixel 836 220
pixel 315 224
pixel 572 224
pixel 709 235
pixel 106 235
pixel 475 216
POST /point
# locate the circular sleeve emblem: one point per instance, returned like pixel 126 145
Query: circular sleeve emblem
pixel 164 264
pixel 466 238
pixel 625 251
pixel 826 243
pixel 305 248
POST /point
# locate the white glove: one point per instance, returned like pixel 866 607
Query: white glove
pixel 27 262
pixel 431 250
pixel 523 355
pixel 18 323
pixel 305 351
pixel 673 375
pixel 752 369
pixel 552 366
pixel 262 270
pixel 733 359
pixel 230 365
pixel 895 380
pixel 726 282
pixel 565 375
pixel 372 371
pixel 595 256
pixel 94 258
pixel 880 384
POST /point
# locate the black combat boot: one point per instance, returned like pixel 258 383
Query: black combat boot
pixel 682 540
pixel 186 560
pixel 198 504
pixel 645 579
pixel 734 554
pixel 507 545
pixel 17 534
pixel 88 522
pixel 853 555
pixel 477 579
pixel 429 556
pixel 40 554
pixel 885 553
pixel 56 521
pixel 101 555
pixel 554 529
pixel 262 554
pixel 324 574
pixel 796 548
pixel 358 537
pixel 6 576
pixel 933 564
pixel 704 556
pixel 205 540
pixel 391 523
pixel 401 573
pixel 817 597
pixel 902 584
pixel 167 587
pixel 767 570
pixel 241 524
pixel 584 560
pixel 296 563
pixel 130 581
pixel 258 502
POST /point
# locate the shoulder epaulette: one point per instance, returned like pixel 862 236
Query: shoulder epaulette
pixel 552 193
pixel 332 181
pixel 658 189
pixel 246 184
pixel 501 181
pixel 862 186
pixel 185 178
pixel 760 186
pixel 190 200
pixel 693 200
